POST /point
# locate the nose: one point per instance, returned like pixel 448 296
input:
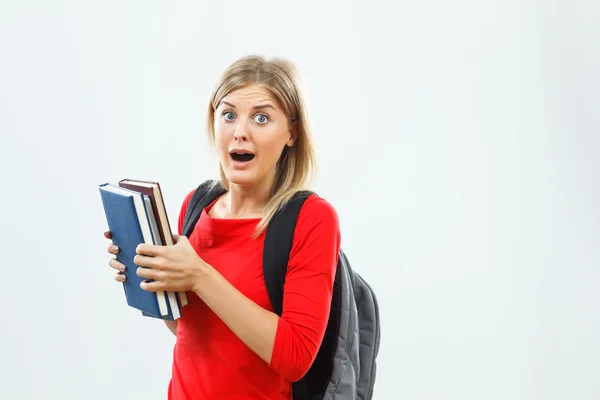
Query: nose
pixel 241 133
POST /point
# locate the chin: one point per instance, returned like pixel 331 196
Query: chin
pixel 241 178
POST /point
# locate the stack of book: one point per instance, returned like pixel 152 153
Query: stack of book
pixel 135 213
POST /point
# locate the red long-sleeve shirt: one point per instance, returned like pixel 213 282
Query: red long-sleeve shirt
pixel 209 360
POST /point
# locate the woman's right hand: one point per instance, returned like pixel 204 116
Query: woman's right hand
pixel 119 277
pixel 113 263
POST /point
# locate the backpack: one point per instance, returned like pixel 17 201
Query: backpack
pixel 345 365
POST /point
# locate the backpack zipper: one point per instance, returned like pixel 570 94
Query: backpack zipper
pixel 377 337
pixel 351 322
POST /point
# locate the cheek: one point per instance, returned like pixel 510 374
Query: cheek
pixel 272 148
pixel 223 134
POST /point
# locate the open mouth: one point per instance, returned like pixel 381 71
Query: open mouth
pixel 241 157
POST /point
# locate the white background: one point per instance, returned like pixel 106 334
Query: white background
pixel 457 140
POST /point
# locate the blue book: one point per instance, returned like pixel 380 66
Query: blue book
pixel 128 221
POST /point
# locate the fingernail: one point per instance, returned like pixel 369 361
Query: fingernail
pixel 115 248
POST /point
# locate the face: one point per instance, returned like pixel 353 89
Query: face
pixel 251 131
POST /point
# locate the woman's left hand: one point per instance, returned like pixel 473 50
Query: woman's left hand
pixel 174 268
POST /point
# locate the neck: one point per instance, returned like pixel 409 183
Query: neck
pixel 247 201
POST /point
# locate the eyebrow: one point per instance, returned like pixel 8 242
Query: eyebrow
pixel 258 107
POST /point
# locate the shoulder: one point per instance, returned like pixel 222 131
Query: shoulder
pixel 202 188
pixel 317 237
pixel 186 200
pixel 183 210
pixel 317 216
pixel 316 207
pixel 188 197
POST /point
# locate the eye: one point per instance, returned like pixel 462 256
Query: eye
pixel 261 118
pixel 228 116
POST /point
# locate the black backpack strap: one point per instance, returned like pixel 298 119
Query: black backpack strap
pixel 276 254
pixel 277 247
pixel 206 193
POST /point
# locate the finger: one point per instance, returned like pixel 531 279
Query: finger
pixel 120 277
pixel 148 250
pixel 148 262
pixel 148 273
pixel 107 235
pixel 112 249
pixel 154 286
pixel 113 263
pixel 179 239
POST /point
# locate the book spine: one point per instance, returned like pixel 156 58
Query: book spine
pixel 160 295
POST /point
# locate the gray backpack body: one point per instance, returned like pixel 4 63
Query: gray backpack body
pixel 345 366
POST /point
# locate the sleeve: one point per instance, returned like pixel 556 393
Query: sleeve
pixel 182 212
pixel 308 289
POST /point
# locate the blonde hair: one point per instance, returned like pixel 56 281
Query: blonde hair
pixel 296 168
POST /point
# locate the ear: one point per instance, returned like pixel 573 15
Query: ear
pixel 293 134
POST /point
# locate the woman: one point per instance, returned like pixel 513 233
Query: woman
pixel 230 344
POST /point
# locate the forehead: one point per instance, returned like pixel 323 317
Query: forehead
pixel 250 95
